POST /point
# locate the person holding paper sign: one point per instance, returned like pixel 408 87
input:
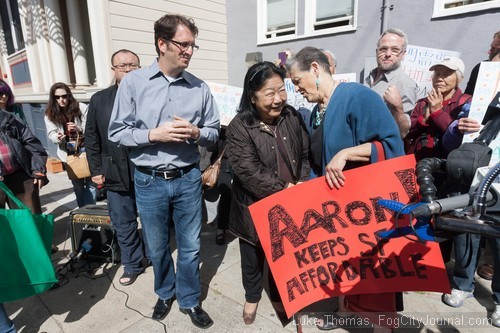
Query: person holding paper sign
pixel 267 145
pixel 346 131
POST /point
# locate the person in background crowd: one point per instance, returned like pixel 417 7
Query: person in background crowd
pixel 343 134
pixel 332 60
pixel 65 121
pixel 22 169
pixel 162 113
pixel 492 53
pixel 388 80
pixel 22 162
pixel 433 114
pixel 7 100
pixel 468 246
pixel 486 270
pixel 110 167
pixel 267 148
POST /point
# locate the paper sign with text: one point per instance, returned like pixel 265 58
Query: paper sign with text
pixel 487 86
pixel 321 242
pixel 227 99
pixel 418 60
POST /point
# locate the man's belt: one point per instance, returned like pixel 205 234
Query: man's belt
pixel 166 174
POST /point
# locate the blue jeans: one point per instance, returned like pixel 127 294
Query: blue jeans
pixel 6 325
pixel 467 252
pixel 85 191
pixel 122 211
pixel 161 202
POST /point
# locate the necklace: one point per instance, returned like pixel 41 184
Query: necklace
pixel 320 114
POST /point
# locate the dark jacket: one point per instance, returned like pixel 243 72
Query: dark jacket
pixel 26 147
pixel 105 157
pixel 424 140
pixel 253 152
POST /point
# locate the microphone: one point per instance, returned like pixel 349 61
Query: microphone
pixel 86 247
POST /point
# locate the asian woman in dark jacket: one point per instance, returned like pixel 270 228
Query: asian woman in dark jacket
pixel 267 145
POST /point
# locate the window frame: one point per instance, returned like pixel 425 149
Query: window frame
pixel 310 20
pixel 439 9
pixel 13 26
pixel 262 24
pixel 304 25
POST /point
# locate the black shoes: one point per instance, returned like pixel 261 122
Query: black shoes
pixel 162 308
pixel 199 317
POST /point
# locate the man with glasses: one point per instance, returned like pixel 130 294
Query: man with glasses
pixel 162 113
pixel 110 167
pixel 397 89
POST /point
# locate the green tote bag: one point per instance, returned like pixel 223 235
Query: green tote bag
pixel 25 249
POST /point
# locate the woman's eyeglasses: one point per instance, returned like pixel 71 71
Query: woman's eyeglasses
pixel 65 96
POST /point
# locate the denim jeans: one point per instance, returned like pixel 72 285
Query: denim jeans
pixel 467 252
pixel 85 191
pixel 122 211
pixel 6 325
pixel 161 202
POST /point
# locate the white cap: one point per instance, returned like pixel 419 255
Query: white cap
pixel 452 63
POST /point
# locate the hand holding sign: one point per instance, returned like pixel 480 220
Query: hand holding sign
pixel 329 243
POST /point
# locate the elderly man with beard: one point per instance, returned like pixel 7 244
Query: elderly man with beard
pixel 397 89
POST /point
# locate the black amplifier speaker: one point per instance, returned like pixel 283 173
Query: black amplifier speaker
pixel 92 236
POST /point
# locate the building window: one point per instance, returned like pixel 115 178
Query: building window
pixel 454 7
pixel 291 19
pixel 280 18
pixel 11 26
pixel 330 16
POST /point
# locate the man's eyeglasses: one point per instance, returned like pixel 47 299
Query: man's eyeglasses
pixel 395 52
pixel 65 96
pixel 124 66
pixel 184 46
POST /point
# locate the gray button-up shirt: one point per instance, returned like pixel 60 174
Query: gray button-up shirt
pixel 145 99
pixel 407 87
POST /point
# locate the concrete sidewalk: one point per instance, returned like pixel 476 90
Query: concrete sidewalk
pixel 98 303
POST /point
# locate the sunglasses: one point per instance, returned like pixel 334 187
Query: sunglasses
pixel 61 96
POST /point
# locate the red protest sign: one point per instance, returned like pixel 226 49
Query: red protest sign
pixel 321 242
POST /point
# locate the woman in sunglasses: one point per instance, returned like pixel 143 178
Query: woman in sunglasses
pixel 65 121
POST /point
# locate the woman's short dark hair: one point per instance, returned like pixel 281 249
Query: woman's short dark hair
pixel 5 89
pixel 256 77
pixel 166 27
pixel 305 57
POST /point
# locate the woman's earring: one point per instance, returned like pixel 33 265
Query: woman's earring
pixel 317 83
